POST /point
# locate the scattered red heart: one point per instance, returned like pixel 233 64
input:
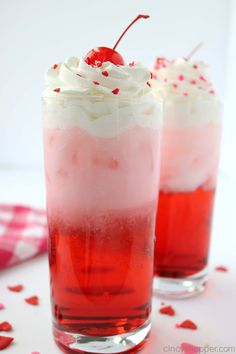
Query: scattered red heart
pixel 221 269
pixel 5 342
pixel 188 348
pixel 188 324
pixel 16 288
pixel 5 326
pixel 167 310
pixel 33 300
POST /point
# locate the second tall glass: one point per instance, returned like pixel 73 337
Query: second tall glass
pixel 189 166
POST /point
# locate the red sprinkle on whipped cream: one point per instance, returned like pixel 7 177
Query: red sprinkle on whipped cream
pixel 115 91
pixel 105 73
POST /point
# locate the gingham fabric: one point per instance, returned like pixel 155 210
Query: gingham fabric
pixel 23 234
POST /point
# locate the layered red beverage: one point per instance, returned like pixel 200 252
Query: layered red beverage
pixel 101 138
pixel 189 164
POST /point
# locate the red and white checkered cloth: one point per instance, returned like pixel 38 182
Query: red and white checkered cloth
pixel 23 234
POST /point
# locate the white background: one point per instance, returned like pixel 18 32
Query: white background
pixel 34 34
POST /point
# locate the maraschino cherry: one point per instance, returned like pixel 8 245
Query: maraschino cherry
pixel 100 55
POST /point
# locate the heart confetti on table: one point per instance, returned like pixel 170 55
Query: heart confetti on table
pixel 5 326
pixel 167 310
pixel 221 269
pixel 33 300
pixel 188 348
pixel 188 324
pixel 16 288
pixel 5 342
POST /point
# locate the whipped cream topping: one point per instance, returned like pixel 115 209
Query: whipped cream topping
pixel 187 90
pixel 105 100
pixel 181 77
pixel 76 77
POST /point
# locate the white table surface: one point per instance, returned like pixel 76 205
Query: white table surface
pixel 214 311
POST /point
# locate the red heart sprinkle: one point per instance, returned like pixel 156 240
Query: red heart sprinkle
pixel 175 86
pixel 193 82
pixel 202 78
pixel 5 342
pixel 5 326
pixel 185 94
pixel 105 73
pixel 181 77
pixel 167 310
pixel 55 66
pixel 98 63
pixel 16 288
pixel 221 269
pixel 190 348
pixel 115 91
pixel 57 90
pixel 187 324
pixel 33 300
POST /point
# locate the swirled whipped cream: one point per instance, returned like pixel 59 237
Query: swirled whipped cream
pixel 76 77
pixel 104 100
pixel 187 90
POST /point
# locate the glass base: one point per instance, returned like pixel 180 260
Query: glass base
pixel 181 288
pixel 77 343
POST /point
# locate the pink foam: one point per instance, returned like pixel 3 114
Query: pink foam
pixel 89 173
pixel 190 157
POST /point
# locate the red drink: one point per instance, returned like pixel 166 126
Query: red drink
pixel 94 268
pixel 182 245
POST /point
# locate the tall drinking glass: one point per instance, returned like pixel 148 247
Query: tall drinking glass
pixel 102 172
pixel 189 166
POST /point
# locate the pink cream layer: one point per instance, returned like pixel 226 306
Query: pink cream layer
pixel 189 157
pixel 89 174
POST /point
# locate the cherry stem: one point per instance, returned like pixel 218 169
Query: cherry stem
pixel 131 24
pixel 193 51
